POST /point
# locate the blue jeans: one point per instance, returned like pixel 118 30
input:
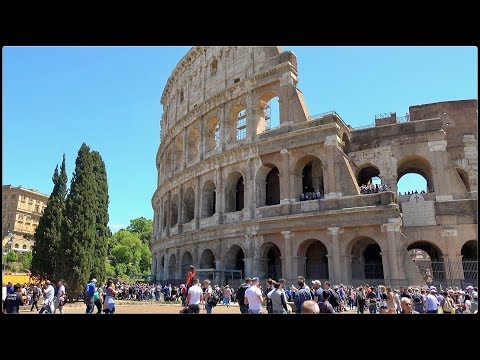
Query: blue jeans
pixel 372 309
pixel 90 304
pixel 208 308
pixel 244 309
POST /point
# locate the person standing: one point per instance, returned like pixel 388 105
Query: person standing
pixel 98 298
pixel 48 295
pixel 310 307
pixel 431 304
pixel 325 306
pixel 240 295
pixel 60 298
pixel 317 290
pixel 110 297
pixel 278 299
pixel 12 302
pixel 207 295
pixel 194 297
pixel 254 298
pixel 190 277
pixel 35 297
pixel 89 291
pixel 406 304
pixel 302 295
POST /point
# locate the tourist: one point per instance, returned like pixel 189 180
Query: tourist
pixel 406 304
pixel 12 302
pixel 240 295
pixel 254 298
pixel 48 295
pixel 310 307
pixel 59 301
pixel 35 297
pixel 89 291
pixel 110 293
pixel 278 298
pixel 302 295
pixel 207 294
pixel 194 297
pixel 325 306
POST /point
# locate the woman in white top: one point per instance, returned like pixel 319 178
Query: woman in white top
pixel 467 304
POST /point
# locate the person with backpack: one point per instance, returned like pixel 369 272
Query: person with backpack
pixel 89 291
pixel 333 299
pixel 360 300
pixel 240 295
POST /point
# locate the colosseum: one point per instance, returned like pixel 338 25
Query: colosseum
pixel 249 184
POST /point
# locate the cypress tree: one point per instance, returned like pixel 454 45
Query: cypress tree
pixel 48 233
pixel 99 256
pixel 79 225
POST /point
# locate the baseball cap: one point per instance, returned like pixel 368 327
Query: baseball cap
pixel 94 280
pixel 255 279
pixel 317 282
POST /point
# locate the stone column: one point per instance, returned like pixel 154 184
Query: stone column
pixel 201 139
pixel 219 192
pixel 166 273
pixel 441 180
pixel 169 205
pixel 471 155
pixel 392 228
pixel 288 82
pixel 331 270
pixel 337 273
pixel 223 129
pixel 288 271
pixel 249 185
pixel 178 270
pixel 286 183
pixel 180 209
pixel 386 267
pixel 330 186
pixel 346 268
pixel 198 202
pixel 218 278
pixel 184 160
pixel 252 117
pixel 452 259
pixel 249 268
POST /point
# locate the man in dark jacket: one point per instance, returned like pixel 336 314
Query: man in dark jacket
pixel 240 295
pixel 12 302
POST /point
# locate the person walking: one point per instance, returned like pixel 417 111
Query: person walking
pixel 254 298
pixel 207 295
pixel 240 296
pixel 89 291
pixel 59 301
pixel 194 297
pixel 35 297
pixel 48 296
pixel 12 302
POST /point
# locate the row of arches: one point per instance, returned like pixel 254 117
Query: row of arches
pixel 366 261
pixel 235 130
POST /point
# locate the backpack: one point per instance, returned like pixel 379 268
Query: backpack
pixel 447 306
pixel 213 299
pixel 334 299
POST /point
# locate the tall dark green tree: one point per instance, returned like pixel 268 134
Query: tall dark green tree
pixel 79 224
pixel 48 233
pixel 99 256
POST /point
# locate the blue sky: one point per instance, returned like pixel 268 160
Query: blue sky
pixel 55 98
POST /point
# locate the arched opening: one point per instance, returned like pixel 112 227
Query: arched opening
pixel 192 145
pixel 234 192
pixel 316 262
pixel 187 260
pixel 269 106
pixel 367 263
pixel 174 211
pixel 464 176
pixel 241 123
pixel 429 261
pixel 272 188
pixel 414 165
pixel 470 261
pixel 345 143
pixel 208 199
pixel 172 265
pixel 272 254
pixel 169 163
pixel 411 183
pixel 235 259
pixel 178 160
pixel 212 134
pixel 207 259
pixel 188 205
pixel 309 170
pixel 367 174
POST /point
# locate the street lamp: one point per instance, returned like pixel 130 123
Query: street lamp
pixel 9 246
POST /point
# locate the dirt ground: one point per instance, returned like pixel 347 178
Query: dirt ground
pixel 129 307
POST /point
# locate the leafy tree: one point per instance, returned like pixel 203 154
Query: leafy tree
pixel 99 255
pixel 143 227
pixel 48 233
pixel 27 261
pixel 12 257
pixel 129 255
pixel 79 224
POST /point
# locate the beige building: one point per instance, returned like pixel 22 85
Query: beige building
pixel 21 211
pixel 249 181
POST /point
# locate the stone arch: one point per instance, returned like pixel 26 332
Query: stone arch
pixel 464 176
pixel 308 172
pixel 429 260
pixel 169 163
pixel 207 259
pixel 366 259
pixel 234 192
pixel 414 164
pixel 188 205
pixel 193 137
pixel 366 173
pixel 469 254
pixel 212 137
pixel 187 260
pixel 234 121
pixel 178 160
pixel 208 199
pixel 267 183
pixel 269 108
pixel 165 215
pixel 271 255
pixel 235 258
pixel 174 210
pixel 314 252
pixel 172 267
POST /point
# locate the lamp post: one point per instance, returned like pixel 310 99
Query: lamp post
pixel 7 250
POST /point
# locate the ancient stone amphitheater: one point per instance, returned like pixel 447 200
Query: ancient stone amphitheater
pixel 238 149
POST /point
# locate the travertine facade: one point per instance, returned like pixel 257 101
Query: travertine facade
pixel 21 211
pixel 230 178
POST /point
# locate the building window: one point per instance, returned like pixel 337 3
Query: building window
pixel 181 96
pixel 236 80
pixel 22 198
pixel 24 247
pixel 13 196
pixel 16 246
pixel 30 201
pixel 36 208
pixel 20 217
pixel 217 135
pixel 29 218
pixel 241 125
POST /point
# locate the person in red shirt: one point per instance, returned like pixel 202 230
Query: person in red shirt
pixel 190 277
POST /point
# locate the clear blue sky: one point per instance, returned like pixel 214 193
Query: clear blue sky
pixel 55 98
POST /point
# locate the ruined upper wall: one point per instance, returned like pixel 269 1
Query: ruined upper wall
pixel 458 117
pixel 205 71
